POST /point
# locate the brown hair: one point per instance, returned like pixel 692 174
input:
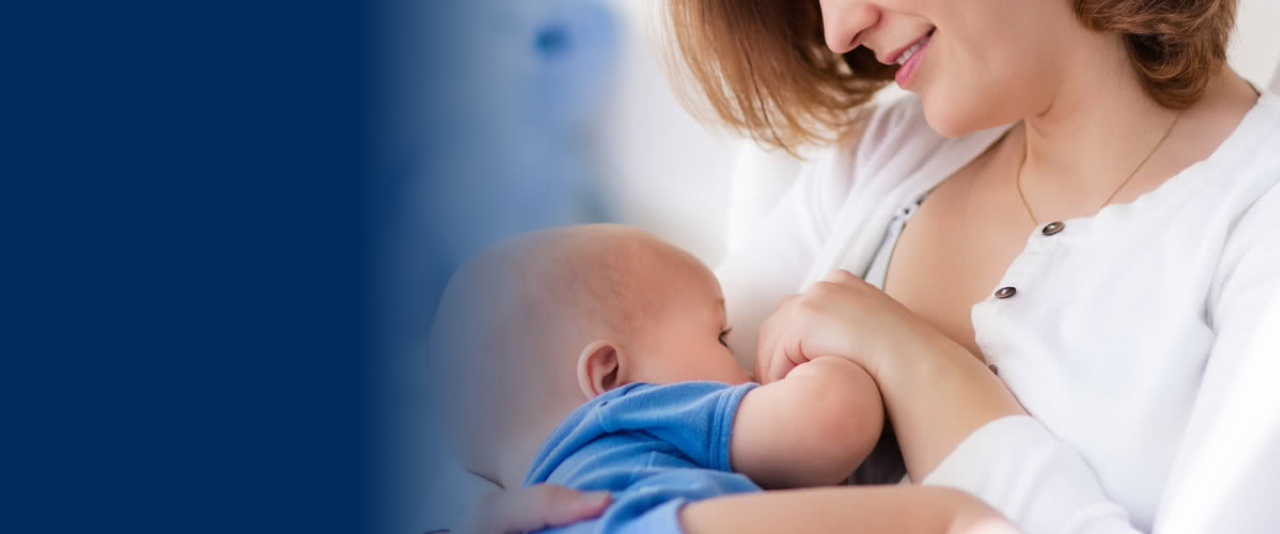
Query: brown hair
pixel 763 67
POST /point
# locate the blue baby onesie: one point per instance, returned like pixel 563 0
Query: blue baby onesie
pixel 652 447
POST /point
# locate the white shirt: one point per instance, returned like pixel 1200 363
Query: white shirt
pixel 1133 339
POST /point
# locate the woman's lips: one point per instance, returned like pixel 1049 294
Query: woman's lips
pixel 910 60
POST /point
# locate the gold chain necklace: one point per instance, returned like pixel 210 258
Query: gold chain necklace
pixel 1018 176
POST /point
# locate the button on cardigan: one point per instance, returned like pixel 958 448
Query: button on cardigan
pixel 1134 340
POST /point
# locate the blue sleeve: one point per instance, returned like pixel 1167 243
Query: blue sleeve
pixel 694 417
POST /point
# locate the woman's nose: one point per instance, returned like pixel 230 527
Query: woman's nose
pixel 843 22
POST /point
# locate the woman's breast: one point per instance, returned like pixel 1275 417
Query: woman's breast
pixel 1098 325
pixel 949 258
pixel 1105 343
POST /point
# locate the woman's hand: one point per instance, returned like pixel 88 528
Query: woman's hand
pixel 846 317
pixel 533 508
pixel 936 392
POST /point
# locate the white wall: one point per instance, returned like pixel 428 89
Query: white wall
pixel 665 172
pixel 1255 48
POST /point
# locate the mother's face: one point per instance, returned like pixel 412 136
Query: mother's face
pixel 983 63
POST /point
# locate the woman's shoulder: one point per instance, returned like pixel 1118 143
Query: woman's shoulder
pixel 1246 166
pixel 1252 154
pixel 1256 141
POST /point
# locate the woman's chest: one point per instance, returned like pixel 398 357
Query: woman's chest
pixel 1097 325
pixel 953 252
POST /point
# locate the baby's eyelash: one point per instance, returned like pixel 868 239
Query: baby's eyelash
pixel 723 334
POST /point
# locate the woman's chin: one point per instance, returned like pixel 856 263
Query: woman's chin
pixel 954 118
pixel 951 117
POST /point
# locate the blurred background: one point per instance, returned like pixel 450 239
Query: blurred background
pixel 569 118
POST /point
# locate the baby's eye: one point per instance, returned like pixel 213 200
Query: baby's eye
pixel 723 334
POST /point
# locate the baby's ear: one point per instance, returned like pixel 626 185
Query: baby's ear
pixel 600 368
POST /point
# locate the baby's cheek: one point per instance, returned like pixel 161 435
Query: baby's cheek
pixel 737 374
pixel 727 369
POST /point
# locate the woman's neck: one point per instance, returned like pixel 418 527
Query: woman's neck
pixel 1095 128
pixel 1099 127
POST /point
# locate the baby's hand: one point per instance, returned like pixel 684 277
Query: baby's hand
pixel 845 317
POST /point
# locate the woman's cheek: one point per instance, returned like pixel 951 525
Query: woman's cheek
pixel 947 104
pixel 944 102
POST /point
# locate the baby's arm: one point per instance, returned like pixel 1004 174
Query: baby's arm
pixel 812 428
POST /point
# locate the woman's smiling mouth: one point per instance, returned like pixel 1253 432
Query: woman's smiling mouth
pixel 910 58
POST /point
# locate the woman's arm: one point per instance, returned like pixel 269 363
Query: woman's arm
pixel 865 510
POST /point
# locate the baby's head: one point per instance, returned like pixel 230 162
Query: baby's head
pixel 543 322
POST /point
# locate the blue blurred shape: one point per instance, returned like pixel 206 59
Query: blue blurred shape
pixel 508 89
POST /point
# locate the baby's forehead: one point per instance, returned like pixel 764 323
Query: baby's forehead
pixel 638 264
pixel 544 292
pixel 601 269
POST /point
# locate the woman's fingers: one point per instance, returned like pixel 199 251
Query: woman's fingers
pixel 776 361
pixel 778 346
pixel 783 338
pixel 765 339
pixel 779 365
pixel 769 339
pixel 537 507
pixel 841 276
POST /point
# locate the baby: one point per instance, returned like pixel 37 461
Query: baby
pixel 595 357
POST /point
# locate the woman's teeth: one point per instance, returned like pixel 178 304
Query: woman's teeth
pixel 902 60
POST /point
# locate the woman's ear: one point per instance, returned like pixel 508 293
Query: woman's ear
pixel 600 368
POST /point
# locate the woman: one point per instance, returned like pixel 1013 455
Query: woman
pixel 1072 222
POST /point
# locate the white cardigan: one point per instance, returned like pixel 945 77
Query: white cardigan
pixel 1133 340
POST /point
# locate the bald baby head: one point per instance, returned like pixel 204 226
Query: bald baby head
pixel 544 321
pixel 569 284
